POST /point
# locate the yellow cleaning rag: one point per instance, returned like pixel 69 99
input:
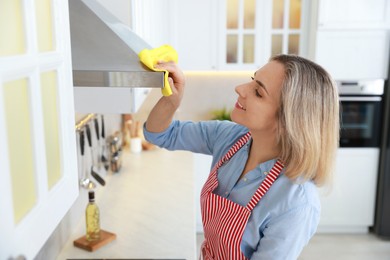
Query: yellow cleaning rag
pixel 163 53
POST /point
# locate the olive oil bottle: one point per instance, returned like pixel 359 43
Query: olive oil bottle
pixel 92 217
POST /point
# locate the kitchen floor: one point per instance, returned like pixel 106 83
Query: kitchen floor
pixel 341 247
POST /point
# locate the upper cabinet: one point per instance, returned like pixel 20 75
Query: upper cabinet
pixel 352 38
pixel 227 34
pixel 38 179
pixel 354 14
pixel 242 35
pixel 195 33
pixel 354 55
pixel 251 31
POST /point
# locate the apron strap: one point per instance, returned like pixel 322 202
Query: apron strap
pixel 237 146
pixel 265 184
pixel 212 181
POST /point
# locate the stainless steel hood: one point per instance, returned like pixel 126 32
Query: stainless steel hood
pixel 105 60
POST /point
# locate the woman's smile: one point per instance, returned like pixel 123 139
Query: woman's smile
pixel 239 106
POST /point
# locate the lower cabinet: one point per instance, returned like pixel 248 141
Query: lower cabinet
pixel 348 205
pixel 202 166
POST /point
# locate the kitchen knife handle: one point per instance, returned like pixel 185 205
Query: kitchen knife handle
pixel 98 178
pixel 82 141
pixel 96 123
pixel 88 135
pixel 103 130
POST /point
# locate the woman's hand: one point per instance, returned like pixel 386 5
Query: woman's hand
pixel 176 81
pixel 162 113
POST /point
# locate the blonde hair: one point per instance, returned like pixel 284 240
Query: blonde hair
pixel 308 120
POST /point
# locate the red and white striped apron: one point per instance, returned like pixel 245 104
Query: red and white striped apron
pixel 223 220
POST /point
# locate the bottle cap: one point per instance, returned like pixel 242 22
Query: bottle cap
pixel 91 195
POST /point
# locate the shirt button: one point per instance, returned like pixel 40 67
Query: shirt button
pixel 245 179
pixel 226 193
pixel 265 173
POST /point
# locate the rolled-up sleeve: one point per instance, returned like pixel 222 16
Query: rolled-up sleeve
pixel 198 137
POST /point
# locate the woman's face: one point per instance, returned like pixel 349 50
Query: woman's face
pixel 259 100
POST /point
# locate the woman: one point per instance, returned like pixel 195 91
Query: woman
pixel 260 200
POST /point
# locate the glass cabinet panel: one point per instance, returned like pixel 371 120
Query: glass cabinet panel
pixel 44 25
pixel 295 14
pixel 51 126
pixel 286 36
pixel 293 44
pixel 20 146
pixel 249 48
pixel 11 28
pixel 248 23
pixel 277 14
pixel 232 14
pixel 277 44
pixel 231 48
pixel 249 14
pixel 240 31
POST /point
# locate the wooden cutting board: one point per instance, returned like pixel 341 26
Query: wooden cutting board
pixel 105 238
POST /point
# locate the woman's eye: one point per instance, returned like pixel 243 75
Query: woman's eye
pixel 256 91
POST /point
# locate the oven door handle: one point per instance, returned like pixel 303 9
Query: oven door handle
pixel 364 99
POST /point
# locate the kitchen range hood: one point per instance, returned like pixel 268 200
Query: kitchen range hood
pixel 107 74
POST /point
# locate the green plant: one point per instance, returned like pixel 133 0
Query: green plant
pixel 221 114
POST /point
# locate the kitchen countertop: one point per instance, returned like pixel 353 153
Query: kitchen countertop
pixel 149 205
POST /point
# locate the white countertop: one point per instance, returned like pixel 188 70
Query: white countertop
pixel 149 205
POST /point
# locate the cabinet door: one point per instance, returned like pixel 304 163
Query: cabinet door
pixel 38 171
pixel 225 34
pixel 195 34
pixel 153 20
pixel 250 31
pixel 357 14
pixel 354 55
pixel 349 204
pixel 188 25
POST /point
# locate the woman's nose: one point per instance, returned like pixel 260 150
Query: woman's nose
pixel 240 90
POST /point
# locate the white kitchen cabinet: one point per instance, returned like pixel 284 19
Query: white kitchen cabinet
pixel 196 34
pixel 153 20
pixel 39 178
pixel 354 55
pixel 106 100
pixel 250 31
pixel 188 25
pixel 349 204
pixel 354 14
pixel 202 31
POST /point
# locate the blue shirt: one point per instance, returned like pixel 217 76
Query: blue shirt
pixel 284 220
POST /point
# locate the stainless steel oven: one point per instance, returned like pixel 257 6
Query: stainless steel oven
pixel 361 113
pixel 351 205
